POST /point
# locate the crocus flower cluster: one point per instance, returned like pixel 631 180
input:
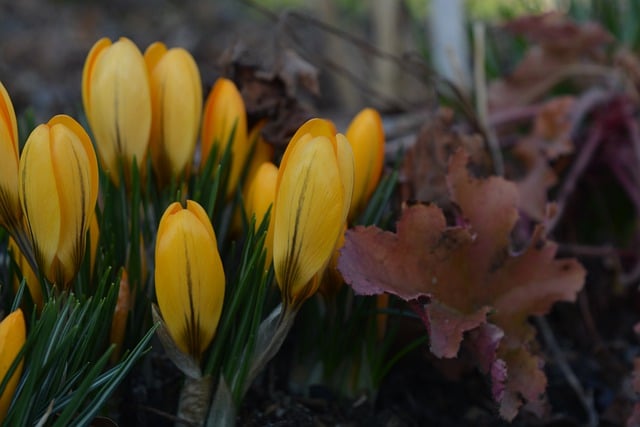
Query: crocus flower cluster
pixel 151 104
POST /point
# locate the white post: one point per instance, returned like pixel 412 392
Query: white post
pixel 449 42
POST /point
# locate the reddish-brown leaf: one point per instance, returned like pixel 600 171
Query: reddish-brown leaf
pixel 460 277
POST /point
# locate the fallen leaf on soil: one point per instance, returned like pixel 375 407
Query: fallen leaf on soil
pixel 470 277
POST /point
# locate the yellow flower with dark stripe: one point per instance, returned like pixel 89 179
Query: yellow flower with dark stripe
pixel 10 213
pixel 117 102
pixel 58 183
pixel 189 277
pixel 13 335
pixel 366 136
pixel 313 195
pixel 225 116
pixel 176 99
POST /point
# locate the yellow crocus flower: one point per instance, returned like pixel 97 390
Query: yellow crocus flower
pixel 313 194
pixel 189 277
pixel 366 136
pixel 58 189
pixel 10 213
pixel 13 334
pixel 262 152
pixel 224 116
pixel 117 102
pixel 176 100
pixel 260 197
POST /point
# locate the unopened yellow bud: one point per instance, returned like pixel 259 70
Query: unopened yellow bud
pixel 13 334
pixel 313 194
pixel 189 277
pixel 366 136
pixel 10 211
pixel 176 99
pixel 225 117
pixel 117 102
pixel 58 192
pixel 261 195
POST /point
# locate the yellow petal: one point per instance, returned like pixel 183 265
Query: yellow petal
pixel 13 335
pixel 189 277
pixel 261 195
pixel 153 54
pixel 308 130
pixel 9 199
pixel 117 102
pixel 308 216
pixel 262 151
pixel 224 114
pixel 88 69
pixel 176 95
pixel 262 190
pixel 366 136
pixel 58 193
pixel 39 196
pixel 346 167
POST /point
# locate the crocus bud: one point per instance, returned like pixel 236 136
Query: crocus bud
pixel 58 192
pixel 261 195
pixel 189 277
pixel 262 151
pixel 10 212
pixel 225 117
pixel 176 100
pixel 94 238
pixel 313 194
pixel 120 314
pixel 29 276
pixel 366 136
pixel 117 102
pixel 13 334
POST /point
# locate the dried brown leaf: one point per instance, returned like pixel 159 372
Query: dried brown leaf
pixel 425 163
pixel 269 82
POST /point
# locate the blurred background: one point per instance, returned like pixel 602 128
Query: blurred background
pixel 374 52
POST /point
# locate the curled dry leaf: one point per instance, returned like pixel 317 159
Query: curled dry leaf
pixel 549 139
pixel 425 164
pixel 471 280
pixel 270 82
